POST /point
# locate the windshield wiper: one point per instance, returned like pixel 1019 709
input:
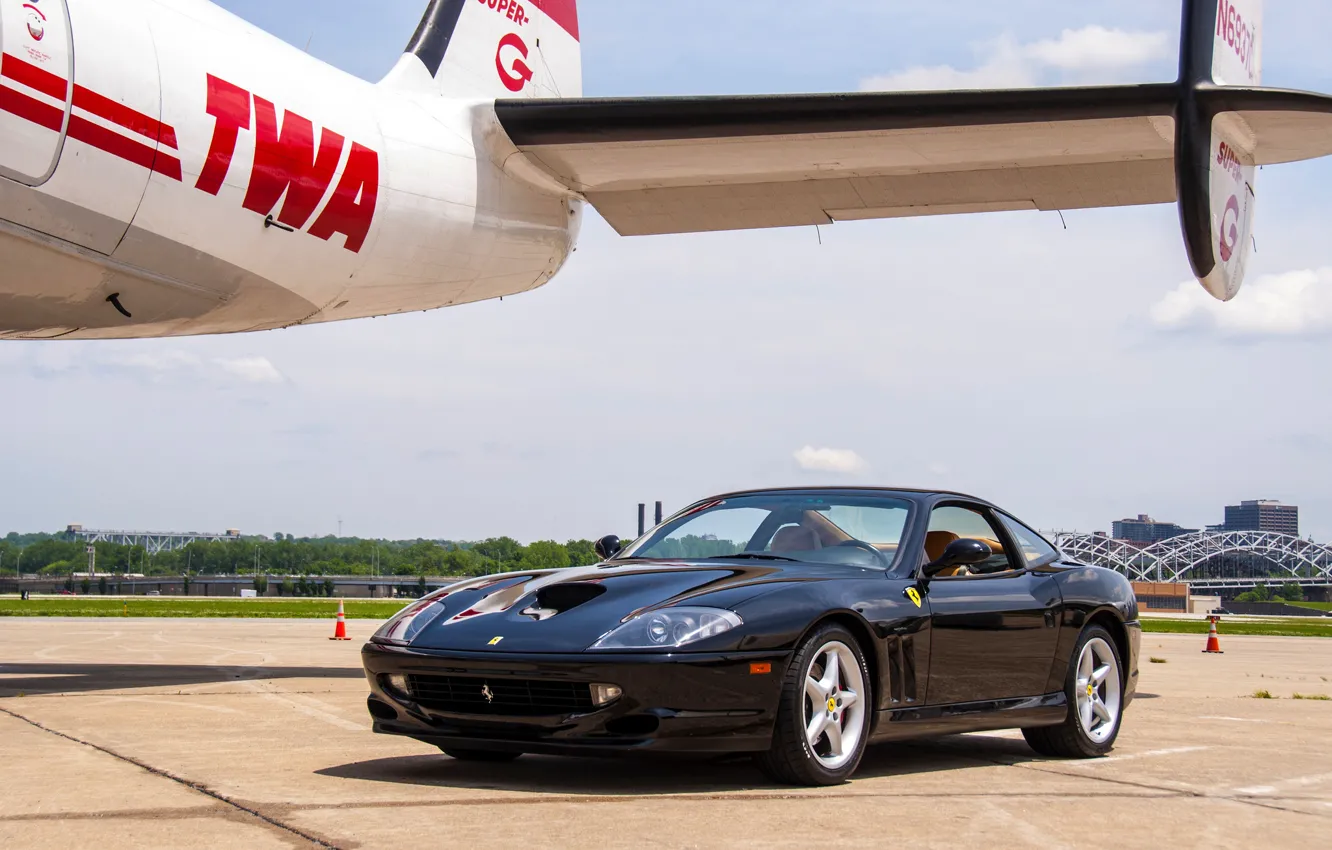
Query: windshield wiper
pixel 752 556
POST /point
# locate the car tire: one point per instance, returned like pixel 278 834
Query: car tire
pixel 1096 705
pixel 490 756
pixel 821 743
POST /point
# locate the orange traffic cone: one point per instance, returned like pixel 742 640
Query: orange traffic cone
pixel 1213 644
pixel 340 630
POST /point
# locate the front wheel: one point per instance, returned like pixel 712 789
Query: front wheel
pixel 823 714
pixel 1095 690
pixel 491 756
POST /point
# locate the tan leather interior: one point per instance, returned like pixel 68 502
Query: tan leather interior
pixel 796 538
pixel 936 542
pixel 828 532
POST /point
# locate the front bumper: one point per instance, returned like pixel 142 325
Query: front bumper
pixel 678 702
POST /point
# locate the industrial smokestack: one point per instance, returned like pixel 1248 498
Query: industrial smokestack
pixel 642 518
pixel 658 522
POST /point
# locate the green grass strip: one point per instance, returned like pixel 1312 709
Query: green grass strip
pixel 382 609
pixel 1283 628
pixel 269 609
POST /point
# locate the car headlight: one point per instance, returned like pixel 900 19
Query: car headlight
pixel 669 628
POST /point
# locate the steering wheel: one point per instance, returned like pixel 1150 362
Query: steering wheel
pixel 861 544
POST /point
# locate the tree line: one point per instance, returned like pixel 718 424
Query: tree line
pixel 1290 592
pixel 285 555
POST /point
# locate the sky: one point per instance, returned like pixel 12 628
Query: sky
pixel 1074 376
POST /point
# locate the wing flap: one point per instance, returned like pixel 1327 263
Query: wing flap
pixel 619 165
pixel 677 165
pixel 740 206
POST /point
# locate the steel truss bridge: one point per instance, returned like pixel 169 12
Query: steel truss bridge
pixel 1208 559
pixel 154 542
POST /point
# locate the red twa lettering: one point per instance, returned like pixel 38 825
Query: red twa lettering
pixel 351 210
pixel 230 105
pixel 286 162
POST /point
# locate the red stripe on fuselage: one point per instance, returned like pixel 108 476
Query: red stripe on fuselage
pixel 104 139
pixel 103 107
pixel 562 12
pixel 31 109
pixel 83 130
pixel 33 77
pixel 119 113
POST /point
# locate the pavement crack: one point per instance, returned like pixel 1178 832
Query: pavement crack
pixel 193 786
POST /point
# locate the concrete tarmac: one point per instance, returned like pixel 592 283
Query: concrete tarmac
pixel 238 733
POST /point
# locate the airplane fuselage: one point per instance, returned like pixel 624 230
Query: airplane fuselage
pixel 169 169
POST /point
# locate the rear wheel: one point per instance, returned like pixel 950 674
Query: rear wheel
pixel 1095 689
pixel 824 712
pixel 492 756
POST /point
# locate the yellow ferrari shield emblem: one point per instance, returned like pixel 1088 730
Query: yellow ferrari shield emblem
pixel 496 640
pixel 914 596
pixel 832 705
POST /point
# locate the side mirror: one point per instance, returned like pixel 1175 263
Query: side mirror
pixel 607 547
pixel 959 553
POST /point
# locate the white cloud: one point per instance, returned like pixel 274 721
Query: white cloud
pixel 1096 48
pixel 157 362
pixel 843 461
pixel 149 362
pixel 1297 303
pixel 255 370
pixel 1090 54
pixel 1003 67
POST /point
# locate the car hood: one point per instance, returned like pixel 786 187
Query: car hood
pixel 568 610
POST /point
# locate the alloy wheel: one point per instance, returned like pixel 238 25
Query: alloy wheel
pixel 834 711
pixel 1097 690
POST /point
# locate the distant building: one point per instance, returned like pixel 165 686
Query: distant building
pixel 1261 515
pixel 1146 530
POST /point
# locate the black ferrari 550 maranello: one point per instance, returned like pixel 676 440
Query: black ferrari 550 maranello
pixel 798 625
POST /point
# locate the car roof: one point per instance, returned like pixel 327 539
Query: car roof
pixel 900 491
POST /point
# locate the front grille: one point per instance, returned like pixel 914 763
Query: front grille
pixel 508 697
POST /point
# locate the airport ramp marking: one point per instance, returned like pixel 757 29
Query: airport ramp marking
pixel 309 706
pixel 1285 784
pixel 1172 751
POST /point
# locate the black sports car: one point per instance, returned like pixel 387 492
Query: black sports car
pixel 798 625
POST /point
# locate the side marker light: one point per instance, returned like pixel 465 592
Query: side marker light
pixel 760 668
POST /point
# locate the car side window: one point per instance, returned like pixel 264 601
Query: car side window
pixel 954 522
pixel 1033 547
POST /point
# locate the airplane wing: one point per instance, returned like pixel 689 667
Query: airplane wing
pixel 688 164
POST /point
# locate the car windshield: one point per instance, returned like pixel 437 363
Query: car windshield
pixel 857 530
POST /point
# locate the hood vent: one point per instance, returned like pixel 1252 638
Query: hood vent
pixel 558 598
